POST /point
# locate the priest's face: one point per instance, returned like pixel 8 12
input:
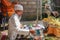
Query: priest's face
pixel 19 12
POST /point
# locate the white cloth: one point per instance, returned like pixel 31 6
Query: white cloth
pixel 18 7
pixel 14 26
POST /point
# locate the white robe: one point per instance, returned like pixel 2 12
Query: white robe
pixel 14 26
